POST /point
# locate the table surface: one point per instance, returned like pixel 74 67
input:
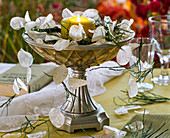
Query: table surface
pixel 106 100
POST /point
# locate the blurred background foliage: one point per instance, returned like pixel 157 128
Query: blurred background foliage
pixel 11 40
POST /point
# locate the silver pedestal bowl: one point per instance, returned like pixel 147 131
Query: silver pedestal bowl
pixel 82 109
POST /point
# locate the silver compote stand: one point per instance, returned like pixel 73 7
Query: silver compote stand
pixel 82 109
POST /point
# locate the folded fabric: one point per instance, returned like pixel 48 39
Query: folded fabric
pixel 97 78
pixel 40 102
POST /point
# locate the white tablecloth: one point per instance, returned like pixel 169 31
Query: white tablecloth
pixel 40 102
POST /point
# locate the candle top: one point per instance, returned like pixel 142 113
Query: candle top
pixel 78 19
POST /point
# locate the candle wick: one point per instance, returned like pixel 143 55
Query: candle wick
pixel 78 18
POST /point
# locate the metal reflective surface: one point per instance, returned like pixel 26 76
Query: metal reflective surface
pixel 82 109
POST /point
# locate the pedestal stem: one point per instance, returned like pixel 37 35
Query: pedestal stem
pixel 81 109
pixel 80 103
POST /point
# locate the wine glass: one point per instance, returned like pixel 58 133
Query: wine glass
pixel 146 55
pixel 160 30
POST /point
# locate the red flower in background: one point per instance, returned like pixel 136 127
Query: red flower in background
pixel 56 6
pixel 164 7
pixel 142 10
pixel 145 31
pixel 115 12
pixel 56 10
pixel 137 1
pixel 154 6
pixel 40 8
pixel 139 10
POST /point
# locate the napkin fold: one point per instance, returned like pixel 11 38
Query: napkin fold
pixel 40 102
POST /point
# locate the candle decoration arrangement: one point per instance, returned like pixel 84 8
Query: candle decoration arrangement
pixel 78 28
pixel 82 40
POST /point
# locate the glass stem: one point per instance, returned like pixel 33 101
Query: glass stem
pixel 165 66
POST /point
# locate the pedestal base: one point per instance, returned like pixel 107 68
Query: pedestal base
pixel 96 120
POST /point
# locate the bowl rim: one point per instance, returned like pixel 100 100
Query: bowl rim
pixel 80 47
pixel 152 19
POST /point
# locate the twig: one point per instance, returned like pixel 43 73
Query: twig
pixel 147 133
pixel 7 103
pixel 142 98
pixel 86 132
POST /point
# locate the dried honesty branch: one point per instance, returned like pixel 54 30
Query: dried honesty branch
pixel 29 26
pixel 146 128
pixel 109 32
pixel 135 126
pixel 74 83
pixel 15 87
pixel 21 84
pixel 39 41
pixel 132 107
pixel 27 17
pixel 28 74
pixel 25 60
pixel 16 122
pixel 99 34
pixel 18 83
pixel 73 43
pixel 142 98
pixel 125 24
pixel 61 44
pixel 139 64
pixel 99 42
pixel 48 19
pixel 67 13
pixel 17 23
pixel 51 37
pixel 143 112
pixel 124 54
pixel 114 131
pixel 60 74
pixel 121 110
pixel 110 24
pixel 111 27
pixel 13 135
pixel 132 88
pixel 41 134
pixel 76 13
pixel 76 32
pixel 133 45
pixel 124 109
pixel 107 20
pixel 91 13
pixel 37 35
pixel 57 118
pixel 40 20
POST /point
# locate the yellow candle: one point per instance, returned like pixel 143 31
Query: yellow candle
pixel 66 23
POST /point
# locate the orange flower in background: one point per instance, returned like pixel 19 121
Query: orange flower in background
pixel 110 8
pixel 120 11
pixel 139 10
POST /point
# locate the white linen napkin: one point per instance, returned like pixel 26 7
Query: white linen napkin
pixel 40 102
